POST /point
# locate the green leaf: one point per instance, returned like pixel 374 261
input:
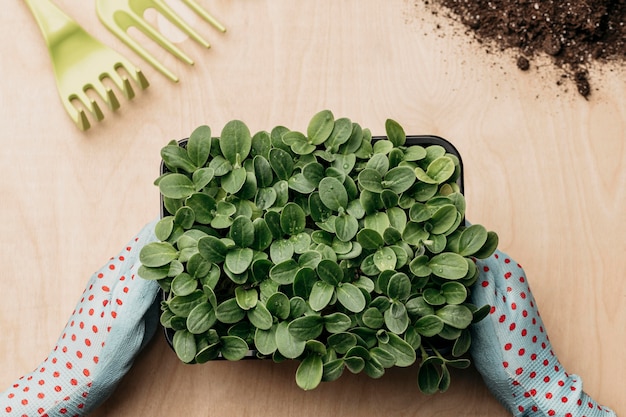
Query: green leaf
pixel 184 284
pixel 220 166
pixel 401 350
pixel 181 305
pixel 434 297
pixel 472 239
pixel 307 327
pixel 371 180
pixel 164 228
pixel 378 162
pixel 429 325
pixel 419 307
pixel 212 249
pixel 457 316
pixel 395 132
pixel 202 177
pixel 176 157
pixel 329 272
pixel 441 169
pixel 156 254
pixel 201 318
pixel 233 348
pixel 462 344
pixel 184 217
pixel 313 172
pixel 396 318
pixel 262 171
pixel 176 186
pixel 383 146
pixel 242 232
pixel 369 239
pixel 292 219
pixel 235 142
pixel 443 219
pixel 414 153
pixel 229 312
pixel 399 287
pixel 320 127
pixel 351 297
pixel 281 162
pixel 333 370
pixel 285 272
pixel 234 180
pixel 184 344
pixel 281 250
pixel 202 206
pixel 287 345
pixel 260 317
pixel 278 305
pixel 337 322
pixel 309 373
pixel 346 227
pixel 300 184
pixel 238 260
pixel 199 145
pixel 385 259
pixel 246 298
pixel 454 292
pixel 378 221
pixel 333 194
pixel 373 318
pixel 321 294
pixel 428 378
pixel 489 247
pixel 261 144
pixel 449 265
pixel 342 130
pixel 265 341
pixel 399 179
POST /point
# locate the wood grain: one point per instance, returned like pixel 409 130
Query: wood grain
pixel 544 168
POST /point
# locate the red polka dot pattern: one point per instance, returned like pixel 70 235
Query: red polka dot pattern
pixel 61 385
pixel 538 384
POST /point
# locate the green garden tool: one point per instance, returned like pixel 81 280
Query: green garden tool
pixel 81 64
pixel 119 15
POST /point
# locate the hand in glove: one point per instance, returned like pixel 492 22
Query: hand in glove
pixel 511 350
pixel 112 322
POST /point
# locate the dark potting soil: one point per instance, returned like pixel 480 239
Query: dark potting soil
pixel 574 33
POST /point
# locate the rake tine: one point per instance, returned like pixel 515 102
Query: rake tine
pixel 173 17
pixel 205 15
pixel 125 20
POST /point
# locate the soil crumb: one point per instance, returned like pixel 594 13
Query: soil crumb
pixel 574 33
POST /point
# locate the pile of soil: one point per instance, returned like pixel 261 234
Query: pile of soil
pixel 575 33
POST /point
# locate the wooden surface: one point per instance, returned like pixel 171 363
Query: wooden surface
pixel 544 168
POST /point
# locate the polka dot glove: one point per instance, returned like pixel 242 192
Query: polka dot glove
pixel 112 322
pixel 511 350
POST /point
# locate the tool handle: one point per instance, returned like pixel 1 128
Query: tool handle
pixel 55 25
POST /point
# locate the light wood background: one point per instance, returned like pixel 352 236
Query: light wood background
pixel 544 168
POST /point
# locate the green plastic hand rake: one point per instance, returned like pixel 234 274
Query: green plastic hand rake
pixel 119 15
pixel 81 63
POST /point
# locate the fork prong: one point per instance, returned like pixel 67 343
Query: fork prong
pixel 205 14
pixel 173 17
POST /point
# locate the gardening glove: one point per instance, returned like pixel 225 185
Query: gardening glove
pixel 115 318
pixel 511 350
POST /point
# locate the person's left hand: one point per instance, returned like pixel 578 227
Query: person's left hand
pixel 115 318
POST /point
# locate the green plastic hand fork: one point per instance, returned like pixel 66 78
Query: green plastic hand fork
pixel 81 63
pixel 119 15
